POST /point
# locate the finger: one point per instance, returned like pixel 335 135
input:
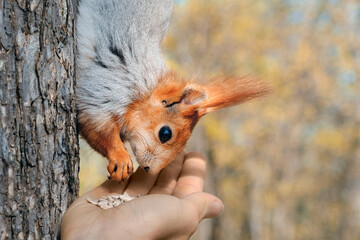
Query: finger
pixel 169 216
pixel 192 176
pixel 168 177
pixel 182 217
pixel 204 205
pixel 141 183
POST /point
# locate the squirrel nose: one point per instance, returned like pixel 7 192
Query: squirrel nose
pixel 146 169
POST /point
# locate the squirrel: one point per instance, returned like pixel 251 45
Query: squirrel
pixel 125 92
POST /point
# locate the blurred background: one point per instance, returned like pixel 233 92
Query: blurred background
pixel 286 166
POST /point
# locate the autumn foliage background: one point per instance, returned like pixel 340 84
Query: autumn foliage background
pixel 287 166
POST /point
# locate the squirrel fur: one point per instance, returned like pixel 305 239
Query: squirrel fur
pixel 125 92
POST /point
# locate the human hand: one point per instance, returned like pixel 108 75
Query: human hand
pixel 171 205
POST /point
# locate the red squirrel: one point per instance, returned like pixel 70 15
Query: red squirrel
pixel 125 92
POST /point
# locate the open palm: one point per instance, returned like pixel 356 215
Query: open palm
pixel 171 205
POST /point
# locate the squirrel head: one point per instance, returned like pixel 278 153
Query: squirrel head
pixel 158 124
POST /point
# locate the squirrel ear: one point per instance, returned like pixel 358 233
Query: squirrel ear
pixel 220 93
pixel 193 95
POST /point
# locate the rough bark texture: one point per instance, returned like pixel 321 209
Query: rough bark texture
pixel 39 161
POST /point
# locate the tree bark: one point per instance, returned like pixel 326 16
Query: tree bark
pixel 39 160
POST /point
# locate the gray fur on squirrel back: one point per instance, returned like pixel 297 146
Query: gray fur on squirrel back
pixel 119 54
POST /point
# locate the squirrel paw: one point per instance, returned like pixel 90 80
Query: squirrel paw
pixel 120 170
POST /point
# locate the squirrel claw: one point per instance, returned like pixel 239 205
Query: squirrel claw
pixel 120 170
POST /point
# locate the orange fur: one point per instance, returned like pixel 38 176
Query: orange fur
pixel 173 102
pixel 106 141
pixel 150 111
pixel 226 92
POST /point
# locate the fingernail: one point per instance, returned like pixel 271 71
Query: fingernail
pixel 223 209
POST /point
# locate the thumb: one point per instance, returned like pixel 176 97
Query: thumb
pixel 205 205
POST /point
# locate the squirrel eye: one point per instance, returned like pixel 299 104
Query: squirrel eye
pixel 165 134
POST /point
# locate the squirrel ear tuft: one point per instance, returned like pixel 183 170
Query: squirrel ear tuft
pixel 229 91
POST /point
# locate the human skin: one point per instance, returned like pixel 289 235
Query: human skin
pixel 171 205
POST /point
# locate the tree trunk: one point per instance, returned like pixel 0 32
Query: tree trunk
pixel 38 135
